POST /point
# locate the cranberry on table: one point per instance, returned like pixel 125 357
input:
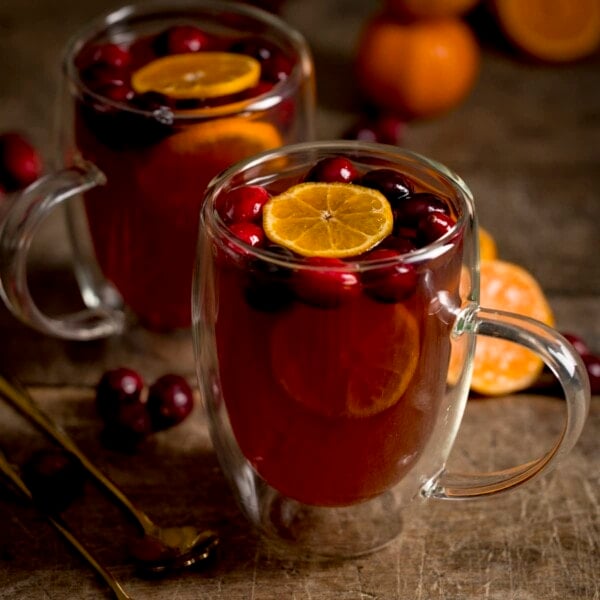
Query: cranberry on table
pixel 592 365
pixel 243 204
pixel 182 39
pixel 170 401
pixel 578 343
pixel 392 184
pixel 336 169
pixel 20 164
pixel 118 387
pixel 327 284
pixel 55 479
pixel 389 283
pixel 128 427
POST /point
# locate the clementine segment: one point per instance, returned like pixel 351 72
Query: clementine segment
pixel 429 8
pixel 551 30
pixel 419 68
pixel 502 367
pixel 487 245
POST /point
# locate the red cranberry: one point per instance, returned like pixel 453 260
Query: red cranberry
pixel 243 204
pixel 249 233
pixel 331 170
pixel 578 343
pixel 392 283
pixel 276 68
pixel 268 288
pixel 20 164
pixel 170 401
pixel 410 211
pixel 185 38
pixel 98 76
pixel 128 427
pixel 327 284
pixel 255 47
pixel 55 478
pixel 401 245
pixel 592 365
pixel 112 55
pixel 117 93
pixel 392 184
pixel 434 226
pixel 117 388
pixel 385 129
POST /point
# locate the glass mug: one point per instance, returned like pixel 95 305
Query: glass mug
pixel 329 420
pixel 142 161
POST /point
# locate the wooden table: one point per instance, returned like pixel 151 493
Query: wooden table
pixel 527 142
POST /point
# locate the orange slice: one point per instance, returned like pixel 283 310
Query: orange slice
pixel 328 219
pixel 360 369
pixel 551 30
pixel 180 167
pixel 198 75
pixel 487 245
pixel 503 367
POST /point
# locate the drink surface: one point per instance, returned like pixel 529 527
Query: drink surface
pixel 333 369
pixel 159 147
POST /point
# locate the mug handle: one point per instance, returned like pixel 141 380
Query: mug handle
pixel 564 362
pixel 18 224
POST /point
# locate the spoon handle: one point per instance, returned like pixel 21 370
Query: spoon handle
pixel 12 475
pixel 20 399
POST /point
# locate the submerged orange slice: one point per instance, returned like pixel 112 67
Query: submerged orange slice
pixel 328 219
pixel 503 367
pixel 361 367
pixel 181 166
pixel 552 30
pixel 198 75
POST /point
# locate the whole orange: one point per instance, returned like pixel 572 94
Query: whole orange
pixel 429 8
pixel 417 69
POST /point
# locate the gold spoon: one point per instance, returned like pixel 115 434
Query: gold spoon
pixel 172 547
pixel 13 477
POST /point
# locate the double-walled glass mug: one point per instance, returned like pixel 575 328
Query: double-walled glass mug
pixel 147 119
pixel 332 408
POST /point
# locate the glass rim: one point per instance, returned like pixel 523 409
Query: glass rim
pixel 154 8
pixel 211 220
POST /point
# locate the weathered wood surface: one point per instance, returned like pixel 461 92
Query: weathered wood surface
pixel 527 142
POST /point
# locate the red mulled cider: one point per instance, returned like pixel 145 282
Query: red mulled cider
pixel 331 338
pixel 165 103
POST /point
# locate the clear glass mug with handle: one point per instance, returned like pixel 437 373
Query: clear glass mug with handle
pixel 137 151
pixel 332 408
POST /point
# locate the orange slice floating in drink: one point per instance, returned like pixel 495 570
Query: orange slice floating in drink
pixel 198 75
pixel 333 220
pixel 362 367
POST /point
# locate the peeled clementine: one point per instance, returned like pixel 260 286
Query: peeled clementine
pixel 419 68
pixel 502 367
pixel 551 30
pixel 487 245
pixel 429 8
